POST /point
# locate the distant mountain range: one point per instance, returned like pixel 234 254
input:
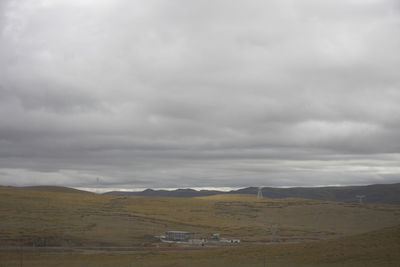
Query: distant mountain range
pixel 379 193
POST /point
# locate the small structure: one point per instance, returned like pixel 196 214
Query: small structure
pixel 187 238
pixel 215 236
pixel 179 236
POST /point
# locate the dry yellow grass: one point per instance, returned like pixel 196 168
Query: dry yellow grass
pixel 378 248
pixel 40 218
pixel 90 219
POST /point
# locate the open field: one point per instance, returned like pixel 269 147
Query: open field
pixel 377 248
pixel 85 229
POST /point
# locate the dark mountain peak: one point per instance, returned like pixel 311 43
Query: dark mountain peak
pixel 184 190
pixel 148 190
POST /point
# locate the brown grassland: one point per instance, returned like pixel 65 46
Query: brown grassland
pixel 72 228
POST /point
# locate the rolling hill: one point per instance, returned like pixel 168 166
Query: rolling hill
pixel 60 189
pixel 379 193
pixel 46 228
pixel 89 219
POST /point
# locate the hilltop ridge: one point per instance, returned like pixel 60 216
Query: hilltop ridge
pixel 378 193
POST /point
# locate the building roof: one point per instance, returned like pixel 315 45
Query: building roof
pixel 180 232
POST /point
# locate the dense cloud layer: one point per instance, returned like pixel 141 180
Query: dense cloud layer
pixel 199 93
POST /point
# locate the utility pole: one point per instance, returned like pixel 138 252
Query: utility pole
pixel 62 244
pixel 97 184
pixel 360 199
pixel 259 193
pixel 273 226
pixel 317 218
pixel 21 255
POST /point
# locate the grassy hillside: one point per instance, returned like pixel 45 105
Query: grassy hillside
pixel 379 193
pixel 42 218
pixel 48 188
pixel 377 248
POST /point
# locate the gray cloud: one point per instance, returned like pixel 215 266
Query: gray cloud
pixel 199 94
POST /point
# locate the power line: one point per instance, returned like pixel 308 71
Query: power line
pixel 259 193
pixel 360 198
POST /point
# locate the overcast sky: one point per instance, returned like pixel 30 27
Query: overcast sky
pixel 136 94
